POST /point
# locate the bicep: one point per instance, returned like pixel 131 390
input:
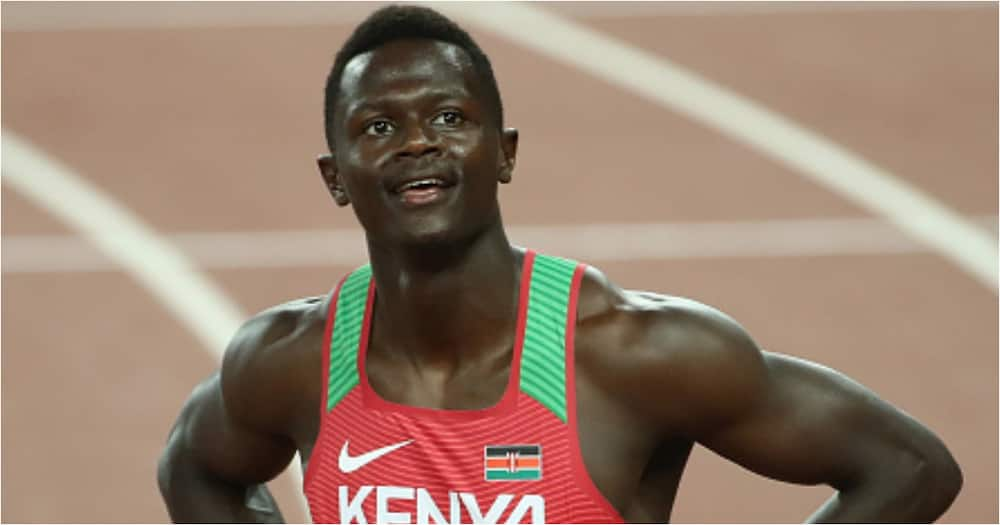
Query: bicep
pixel 212 438
pixel 806 423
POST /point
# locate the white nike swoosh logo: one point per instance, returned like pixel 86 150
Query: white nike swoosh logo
pixel 349 463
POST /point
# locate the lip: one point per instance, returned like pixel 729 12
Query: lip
pixel 445 180
pixel 423 196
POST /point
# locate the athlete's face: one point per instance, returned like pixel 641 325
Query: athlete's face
pixel 417 150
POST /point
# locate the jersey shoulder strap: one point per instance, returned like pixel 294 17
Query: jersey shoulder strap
pixel 346 320
pixel 551 315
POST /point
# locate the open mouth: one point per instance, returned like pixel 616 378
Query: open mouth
pixel 422 191
pixel 421 184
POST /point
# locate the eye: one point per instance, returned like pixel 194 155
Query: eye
pixel 379 128
pixel 449 118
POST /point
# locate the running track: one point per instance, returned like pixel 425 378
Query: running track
pixel 204 120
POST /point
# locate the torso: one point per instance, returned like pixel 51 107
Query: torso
pixel 634 467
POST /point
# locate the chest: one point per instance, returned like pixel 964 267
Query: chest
pixel 448 439
pixel 527 435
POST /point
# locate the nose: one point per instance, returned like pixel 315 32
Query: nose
pixel 418 141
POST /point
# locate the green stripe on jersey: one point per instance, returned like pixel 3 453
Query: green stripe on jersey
pixel 350 314
pixel 543 357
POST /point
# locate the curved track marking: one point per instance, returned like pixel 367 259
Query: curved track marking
pixel 188 294
pixel 809 154
pixel 62 16
pixel 657 79
pixel 163 270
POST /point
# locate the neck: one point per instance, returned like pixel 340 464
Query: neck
pixel 446 303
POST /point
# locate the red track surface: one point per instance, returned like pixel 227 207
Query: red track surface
pixel 215 129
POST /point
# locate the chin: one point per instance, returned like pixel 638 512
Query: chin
pixel 438 229
pixel 437 233
pixel 430 232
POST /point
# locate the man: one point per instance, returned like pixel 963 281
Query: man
pixel 459 378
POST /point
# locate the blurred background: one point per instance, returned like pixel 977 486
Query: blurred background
pixel 825 173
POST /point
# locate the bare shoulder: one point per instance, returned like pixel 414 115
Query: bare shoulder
pixel 283 326
pixel 657 326
pixel 268 368
pixel 666 355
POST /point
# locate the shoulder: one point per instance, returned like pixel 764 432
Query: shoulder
pixel 658 325
pixel 277 327
pixel 271 359
pixel 666 355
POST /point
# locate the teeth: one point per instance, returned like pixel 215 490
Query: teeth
pixel 420 184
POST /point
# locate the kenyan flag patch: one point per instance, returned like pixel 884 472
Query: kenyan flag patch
pixel 512 462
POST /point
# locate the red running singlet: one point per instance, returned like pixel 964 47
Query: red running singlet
pixel 518 461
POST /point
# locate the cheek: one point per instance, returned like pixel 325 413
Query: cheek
pixel 476 155
pixel 360 156
pixel 360 173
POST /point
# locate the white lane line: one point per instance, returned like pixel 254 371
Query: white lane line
pixel 123 238
pixel 650 76
pixel 590 9
pixel 189 295
pixel 807 153
pixel 588 242
pixel 61 16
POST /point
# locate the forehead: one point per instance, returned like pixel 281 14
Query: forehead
pixel 405 65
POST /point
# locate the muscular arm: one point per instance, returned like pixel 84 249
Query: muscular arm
pixel 797 421
pixel 214 468
pixel 810 424
pixel 232 434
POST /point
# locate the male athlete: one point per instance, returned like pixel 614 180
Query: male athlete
pixel 459 378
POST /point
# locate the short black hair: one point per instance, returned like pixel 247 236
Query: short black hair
pixel 397 22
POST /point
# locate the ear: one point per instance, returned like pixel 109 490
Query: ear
pixel 508 149
pixel 331 178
